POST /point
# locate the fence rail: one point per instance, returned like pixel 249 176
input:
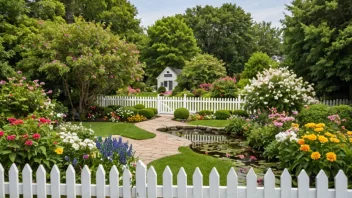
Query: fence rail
pixel 146 184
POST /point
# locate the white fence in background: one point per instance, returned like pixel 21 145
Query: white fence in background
pixel 337 102
pixel 146 185
pixel 167 105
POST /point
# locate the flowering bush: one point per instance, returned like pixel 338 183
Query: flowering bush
pixel 224 88
pixel 136 118
pixel 79 130
pixel 121 114
pixel 280 119
pixel 20 97
pixel 279 88
pixel 30 141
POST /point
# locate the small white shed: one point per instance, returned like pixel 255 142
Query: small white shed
pixel 167 78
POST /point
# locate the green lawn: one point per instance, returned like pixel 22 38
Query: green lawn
pixel 190 160
pixel 211 123
pixel 120 128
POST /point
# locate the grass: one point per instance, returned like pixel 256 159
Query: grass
pixel 211 123
pixel 127 130
pixel 190 160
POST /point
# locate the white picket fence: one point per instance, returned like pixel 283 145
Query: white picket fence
pixel 167 105
pixel 146 185
pixel 336 102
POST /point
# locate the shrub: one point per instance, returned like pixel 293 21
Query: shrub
pixel 114 107
pixel 261 137
pixel 155 110
pixel 81 131
pixel 222 114
pixel 240 112
pixel 316 113
pixel 139 85
pixel 181 113
pixel 198 92
pixel 188 94
pixel 139 106
pixel 176 90
pixel 136 118
pixel 108 110
pixel 122 114
pixel 134 110
pixel 345 113
pixel 279 88
pixel 161 89
pixel 242 83
pixel 257 63
pixel 149 89
pixel 206 112
pixel 236 126
pixel 224 88
pixel 148 113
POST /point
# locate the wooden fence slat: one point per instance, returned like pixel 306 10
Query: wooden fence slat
pixel 232 184
pixel 27 179
pixel 322 185
pixel 167 183
pixel 141 185
pixel 341 185
pixel 182 183
pixel 214 183
pixel 2 181
pixel 251 180
pixel 152 179
pixel 114 182
pixel 13 182
pixel 71 182
pixel 127 184
pixel 286 184
pixel 100 179
pixel 41 182
pixel 303 185
pixel 55 182
pixel 269 184
pixel 86 182
pixel 197 184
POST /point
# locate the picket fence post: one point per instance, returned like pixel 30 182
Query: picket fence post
pixel 184 101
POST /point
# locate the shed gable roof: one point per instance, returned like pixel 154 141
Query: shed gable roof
pixel 174 70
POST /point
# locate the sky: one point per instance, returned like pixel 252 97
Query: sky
pixel 261 10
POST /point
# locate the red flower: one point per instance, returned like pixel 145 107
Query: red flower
pixel 36 136
pixel 11 137
pixel 2 133
pixel 25 136
pixel 55 142
pixel 17 122
pixel 43 120
pixel 28 143
pixel 11 119
pixel 33 117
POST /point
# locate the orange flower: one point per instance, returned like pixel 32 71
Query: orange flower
pixel 331 156
pixel 312 137
pixel 322 139
pixel 315 155
pixel 305 147
pixel 300 141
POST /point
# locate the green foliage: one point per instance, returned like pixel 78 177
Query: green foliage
pixel 203 68
pixel 205 112
pixel 148 113
pixel 188 94
pixel 268 38
pixel 241 113
pixel 318 46
pixel 108 110
pixel 181 113
pixel 46 9
pixel 257 63
pixel 225 32
pixel 242 83
pixel 139 85
pixel 236 126
pixel 171 43
pixel 155 110
pixel 114 107
pixel 198 92
pixel 224 88
pixel 88 62
pixel 162 89
pixel 176 90
pixel 317 113
pixel 261 137
pixel 222 114
pixel 345 113
pixel 139 106
pixel 133 109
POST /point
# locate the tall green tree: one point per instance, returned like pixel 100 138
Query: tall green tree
pixel 203 68
pixel 257 63
pixel 268 38
pixel 171 43
pixel 225 32
pixel 86 57
pixel 318 44
pixel 121 14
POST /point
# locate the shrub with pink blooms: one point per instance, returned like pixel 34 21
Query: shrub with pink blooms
pixel 20 97
pixel 224 88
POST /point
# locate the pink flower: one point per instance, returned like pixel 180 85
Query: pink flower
pixel 17 122
pixel 44 121
pixel 36 136
pixel 19 72
pixel 49 92
pixel 2 82
pixel 30 88
pixel 35 81
pixel 240 156
pixel 228 155
pixel 2 133
pixel 42 83
pixel 28 143
pixel 11 119
pixel 252 158
pixel 25 136
pixel 11 137
pixel 206 152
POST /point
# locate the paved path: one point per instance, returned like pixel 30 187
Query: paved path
pixel 162 145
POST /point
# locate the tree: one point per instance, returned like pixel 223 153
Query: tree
pixel 86 57
pixel 258 62
pixel 268 38
pixel 225 32
pixel 46 9
pixel 171 43
pixel 203 68
pixel 318 45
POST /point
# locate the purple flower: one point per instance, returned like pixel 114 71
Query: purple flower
pixel 2 82
pixel 74 162
pixel 49 92
pixel 42 83
pixel 19 72
pixel 85 156
pixel 35 81
pixel 24 78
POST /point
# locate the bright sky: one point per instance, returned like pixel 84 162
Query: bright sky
pixel 261 10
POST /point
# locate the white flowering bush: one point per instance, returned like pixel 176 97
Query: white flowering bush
pixel 79 130
pixel 289 134
pixel 75 142
pixel 279 88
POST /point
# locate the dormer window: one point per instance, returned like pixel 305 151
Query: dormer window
pixel 167 74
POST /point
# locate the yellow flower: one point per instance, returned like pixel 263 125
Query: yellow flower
pixel 335 140
pixel 331 156
pixel 319 129
pixel 349 132
pixel 295 125
pixel 310 125
pixel 330 134
pixel 59 151
pixel 300 141
pixel 322 139
pixel 312 137
pixel 305 147
pixel 320 125
pixel 315 155
pixel 350 139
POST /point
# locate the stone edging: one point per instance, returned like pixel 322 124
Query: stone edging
pixel 194 129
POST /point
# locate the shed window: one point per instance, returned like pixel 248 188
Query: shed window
pixel 167 75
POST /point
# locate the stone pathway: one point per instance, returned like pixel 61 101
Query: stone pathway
pixel 162 145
